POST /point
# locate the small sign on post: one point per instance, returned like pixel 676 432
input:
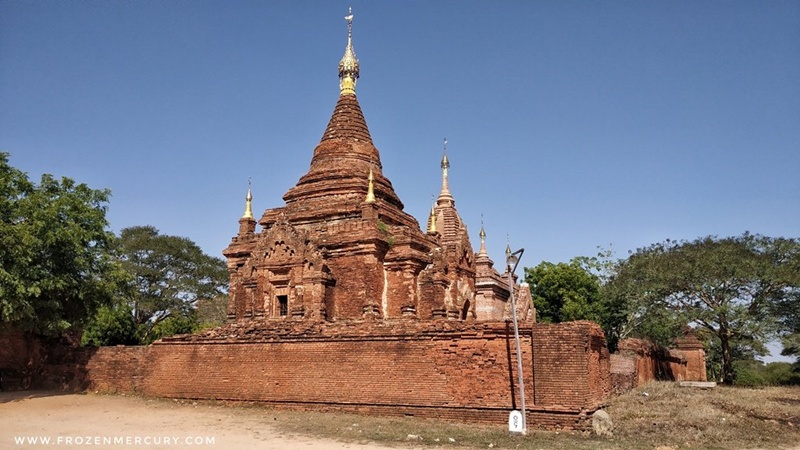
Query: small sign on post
pixel 515 424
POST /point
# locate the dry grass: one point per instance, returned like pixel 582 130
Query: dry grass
pixel 724 417
pixel 660 416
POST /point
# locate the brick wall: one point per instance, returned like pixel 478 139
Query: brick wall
pixel 694 354
pixel 20 358
pixel 25 358
pixel 640 361
pixel 571 367
pixel 623 373
pixel 443 369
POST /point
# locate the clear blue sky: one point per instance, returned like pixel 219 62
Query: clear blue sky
pixel 571 124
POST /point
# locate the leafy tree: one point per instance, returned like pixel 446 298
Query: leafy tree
pixel 577 291
pixel 212 312
pixel 791 344
pixel 564 292
pixel 170 275
pixel 791 347
pixel 751 372
pixel 112 325
pixel 789 312
pixel 781 373
pixel 629 315
pixel 744 353
pixel 55 267
pixel 177 324
pixel 730 287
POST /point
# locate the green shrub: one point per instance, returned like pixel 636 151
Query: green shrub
pixel 781 374
pixel 112 325
pixel 749 373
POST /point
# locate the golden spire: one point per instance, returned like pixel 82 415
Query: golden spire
pixel 432 218
pixel 248 206
pixel 348 66
pixel 370 189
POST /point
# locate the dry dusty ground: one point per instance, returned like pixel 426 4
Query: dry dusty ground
pixel 115 422
pixel 657 416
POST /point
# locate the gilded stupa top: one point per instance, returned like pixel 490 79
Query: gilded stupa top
pixel 248 206
pixel 432 218
pixel 370 188
pixel 348 66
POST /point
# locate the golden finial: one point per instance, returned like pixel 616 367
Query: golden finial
pixel 370 189
pixel 432 218
pixel 348 66
pixel 248 206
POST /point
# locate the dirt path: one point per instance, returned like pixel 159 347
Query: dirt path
pixel 117 422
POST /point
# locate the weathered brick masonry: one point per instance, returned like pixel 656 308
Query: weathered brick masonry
pixel 639 361
pixel 442 369
pixel 571 369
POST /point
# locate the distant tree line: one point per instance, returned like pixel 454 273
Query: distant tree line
pixel 738 293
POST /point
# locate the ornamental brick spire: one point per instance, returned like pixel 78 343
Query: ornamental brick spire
pixel 347 121
pixel 346 151
pixel 445 197
pixel 482 258
pixel 448 222
pixel 482 251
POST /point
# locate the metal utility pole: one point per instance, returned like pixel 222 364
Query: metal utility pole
pixel 512 260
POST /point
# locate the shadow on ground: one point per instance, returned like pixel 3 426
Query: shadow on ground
pixel 18 396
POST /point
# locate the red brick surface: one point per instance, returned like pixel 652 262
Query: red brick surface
pixel 565 353
pixel 623 373
pixel 445 369
pixel 639 361
pixel 20 357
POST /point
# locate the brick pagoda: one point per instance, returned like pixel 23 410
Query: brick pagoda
pixel 342 247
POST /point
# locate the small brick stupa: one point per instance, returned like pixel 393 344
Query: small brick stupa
pixel 343 248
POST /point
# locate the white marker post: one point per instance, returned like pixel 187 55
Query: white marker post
pixel 515 423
